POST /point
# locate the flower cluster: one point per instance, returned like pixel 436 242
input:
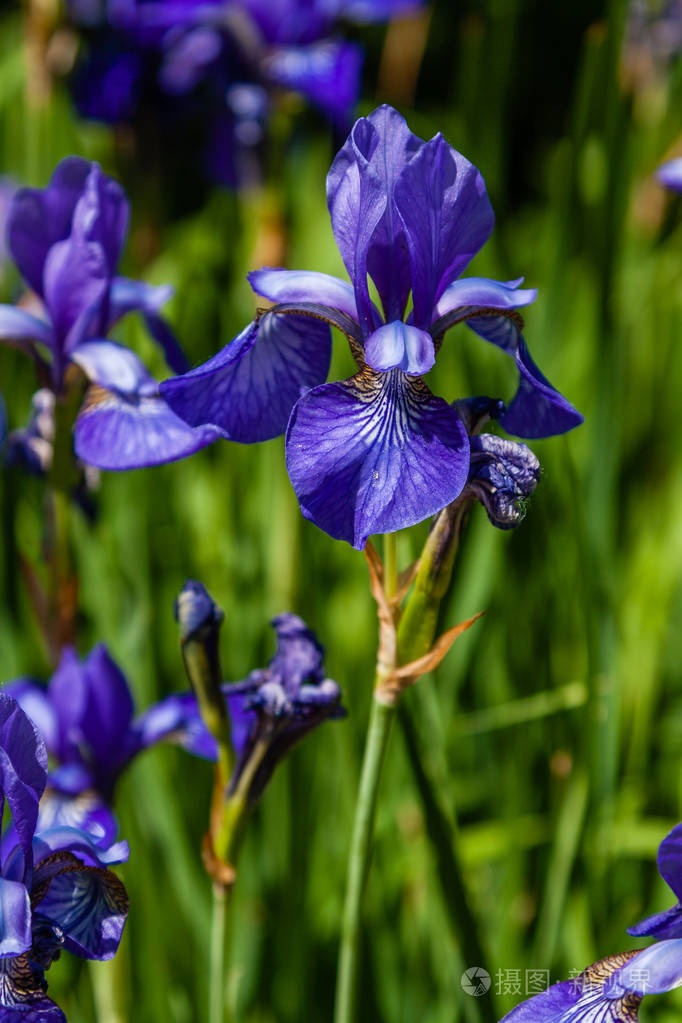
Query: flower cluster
pixel 55 889
pixel 66 241
pixel 219 62
pixel 378 452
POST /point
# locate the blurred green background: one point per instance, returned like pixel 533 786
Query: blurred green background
pixel 553 730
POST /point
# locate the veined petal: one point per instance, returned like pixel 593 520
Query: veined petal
pixel 374 454
pixel 444 206
pixel 117 431
pixel 127 296
pixel 23 998
pixel 480 294
pixel 23 767
pixel 17 325
pixel 357 199
pixel 537 410
pixel 402 346
pixel 327 72
pixel 89 904
pixel 304 286
pixel 15 918
pixel 249 388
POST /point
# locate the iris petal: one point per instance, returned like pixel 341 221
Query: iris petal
pixel 15 918
pixel 444 206
pixel 327 72
pixel 19 326
pixel 23 998
pixel 400 345
pixel 305 286
pixel 374 454
pixel 128 296
pixel 23 767
pixel 537 410
pixel 249 388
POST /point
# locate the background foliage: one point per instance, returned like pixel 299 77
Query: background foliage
pixel 555 726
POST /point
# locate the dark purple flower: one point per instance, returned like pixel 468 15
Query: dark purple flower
pixel 66 240
pixel 378 452
pixel 55 889
pixel 670 174
pixel 192 59
pixel 609 991
pixel 85 715
pixel 669 923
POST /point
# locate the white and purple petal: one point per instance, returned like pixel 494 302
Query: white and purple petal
pixel 474 296
pixel 374 454
pixel 118 431
pixel 399 345
pixel 15 918
pixel 304 286
pixel 249 388
pixel 21 328
pixel 444 206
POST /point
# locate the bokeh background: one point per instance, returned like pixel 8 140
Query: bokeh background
pixel 551 737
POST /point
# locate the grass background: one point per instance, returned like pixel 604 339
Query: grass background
pixel 554 728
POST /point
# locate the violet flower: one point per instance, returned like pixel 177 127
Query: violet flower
pixel 273 707
pixel 220 61
pixel 66 240
pixel 85 715
pixel 378 452
pixel 669 923
pixel 609 991
pixel 55 889
pixel 670 174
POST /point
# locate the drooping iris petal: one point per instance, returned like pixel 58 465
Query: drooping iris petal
pixel 249 388
pixel 447 215
pixel 118 431
pixel 15 918
pixel 538 409
pixel 327 72
pixel 40 217
pixel 305 286
pixel 89 904
pixel 18 325
pixel 402 346
pixel 670 174
pixel 374 454
pixel 388 261
pixel 669 923
pixel 357 199
pixel 23 993
pixel 23 767
pixel 127 296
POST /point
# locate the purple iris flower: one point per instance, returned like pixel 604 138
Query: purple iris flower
pixel 66 240
pixel 378 452
pixel 670 174
pixel 610 991
pixel 85 715
pixel 669 923
pixel 202 59
pixel 55 889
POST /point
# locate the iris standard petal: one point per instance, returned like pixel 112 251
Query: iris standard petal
pixel 670 174
pixel 326 72
pixel 374 454
pixel 76 284
pixel 23 767
pixel 444 206
pixel 304 286
pixel 537 409
pixel 299 657
pixel 249 388
pixel 89 904
pixel 402 346
pixel 388 261
pixel 119 431
pixel 67 692
pixel 40 217
pixel 109 707
pixel 357 200
pixel 15 918
pixel 34 701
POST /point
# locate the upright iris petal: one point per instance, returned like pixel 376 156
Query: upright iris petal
pixel 379 451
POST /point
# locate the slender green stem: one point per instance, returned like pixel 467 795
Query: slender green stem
pixel 218 956
pixel 111 986
pixel 358 860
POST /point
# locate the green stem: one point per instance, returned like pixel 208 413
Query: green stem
pixel 390 564
pixel 358 862
pixel 111 986
pixel 218 956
